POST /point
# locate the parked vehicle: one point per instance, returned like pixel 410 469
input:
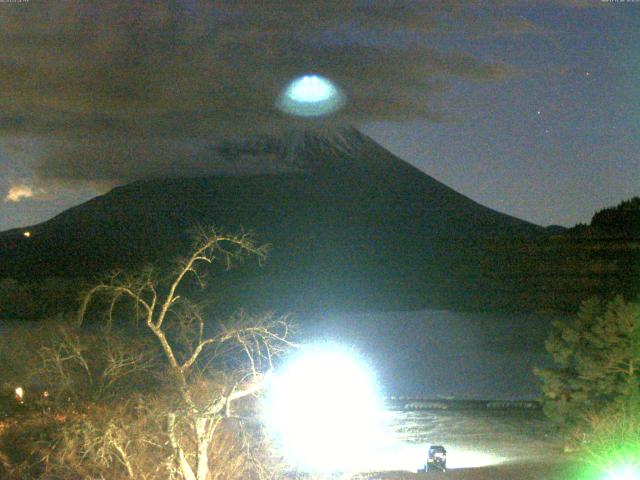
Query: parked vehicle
pixel 436 459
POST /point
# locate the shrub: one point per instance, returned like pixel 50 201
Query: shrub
pixel 597 359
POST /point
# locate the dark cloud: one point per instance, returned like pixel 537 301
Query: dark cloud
pixel 127 89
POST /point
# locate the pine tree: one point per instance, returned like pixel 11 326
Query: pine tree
pixel 597 357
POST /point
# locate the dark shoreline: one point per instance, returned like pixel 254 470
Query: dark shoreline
pixel 418 403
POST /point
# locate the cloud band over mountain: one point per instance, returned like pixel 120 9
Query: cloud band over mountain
pixel 155 83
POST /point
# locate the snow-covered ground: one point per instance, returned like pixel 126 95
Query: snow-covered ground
pixel 473 438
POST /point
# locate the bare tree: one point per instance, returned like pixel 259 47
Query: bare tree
pixel 241 350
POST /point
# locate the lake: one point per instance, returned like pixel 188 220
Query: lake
pixel 443 354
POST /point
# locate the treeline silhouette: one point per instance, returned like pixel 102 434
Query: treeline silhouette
pixel 622 220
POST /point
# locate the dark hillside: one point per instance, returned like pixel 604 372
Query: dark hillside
pixel 557 272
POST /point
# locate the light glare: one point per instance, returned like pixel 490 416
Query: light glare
pixel 624 472
pixel 310 96
pixel 460 458
pixel 324 411
pixel 311 88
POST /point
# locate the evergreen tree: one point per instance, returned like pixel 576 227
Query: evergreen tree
pixel 597 357
pixel 623 219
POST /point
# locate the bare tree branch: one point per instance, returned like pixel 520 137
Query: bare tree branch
pixel 246 343
pixel 194 356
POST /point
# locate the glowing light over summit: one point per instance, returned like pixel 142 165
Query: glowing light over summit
pixel 311 88
pixel 311 96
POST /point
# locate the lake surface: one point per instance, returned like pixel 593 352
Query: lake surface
pixel 438 354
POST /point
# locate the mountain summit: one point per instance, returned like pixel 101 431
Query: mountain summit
pixel 351 226
pixel 347 164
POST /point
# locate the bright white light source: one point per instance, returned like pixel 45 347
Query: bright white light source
pixel 19 394
pixel 311 88
pixel 624 472
pixel 311 96
pixel 324 411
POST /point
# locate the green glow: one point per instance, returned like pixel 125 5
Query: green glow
pixel 624 472
pixel 620 462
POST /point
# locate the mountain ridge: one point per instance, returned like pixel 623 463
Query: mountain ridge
pixel 337 155
pixel 352 225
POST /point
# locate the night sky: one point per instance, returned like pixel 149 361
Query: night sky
pixel 530 108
